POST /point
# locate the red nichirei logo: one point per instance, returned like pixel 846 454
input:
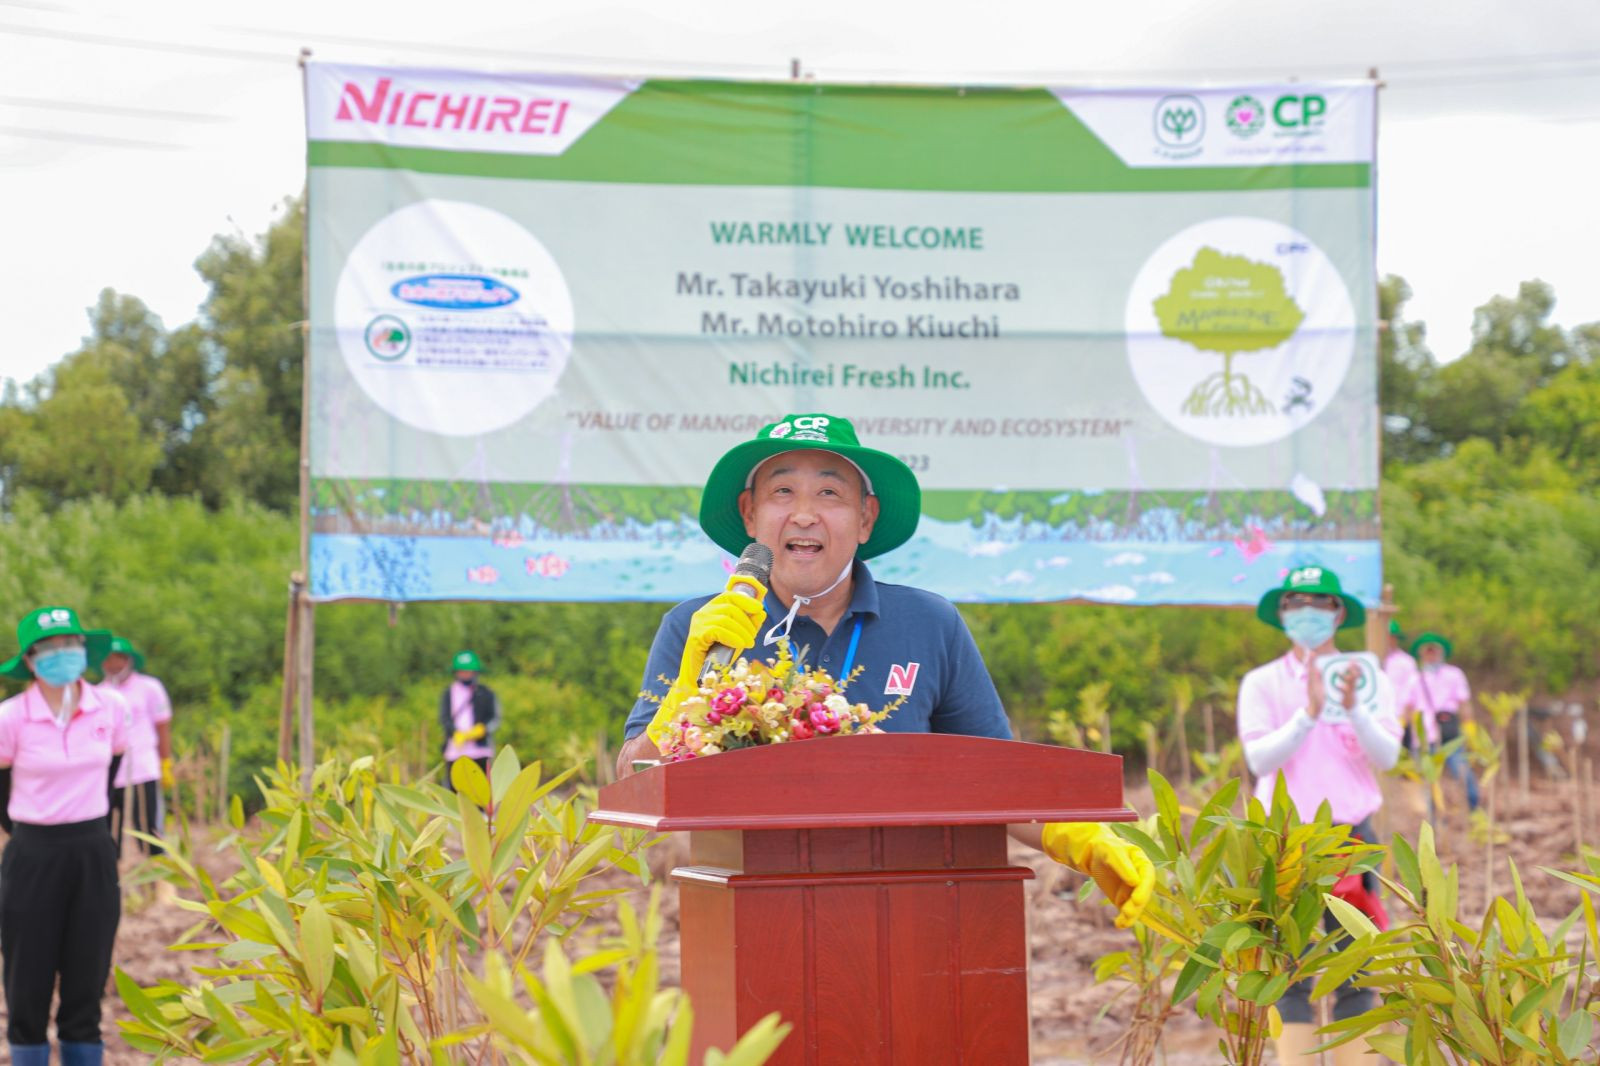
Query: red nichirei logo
pixel 902 679
pixel 387 106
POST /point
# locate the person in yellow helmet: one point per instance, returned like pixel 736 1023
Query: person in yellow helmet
pixel 806 488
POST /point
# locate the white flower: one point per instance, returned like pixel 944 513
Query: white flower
pixel 709 749
pixel 837 704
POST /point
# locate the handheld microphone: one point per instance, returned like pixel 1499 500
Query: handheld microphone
pixel 749 578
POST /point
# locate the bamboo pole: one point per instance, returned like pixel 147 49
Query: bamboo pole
pixel 308 751
pixel 307 631
pixel 291 630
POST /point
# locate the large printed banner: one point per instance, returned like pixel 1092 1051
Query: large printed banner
pixel 1125 338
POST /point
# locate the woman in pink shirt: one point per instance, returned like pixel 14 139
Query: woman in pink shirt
pixel 1439 690
pixel 1399 667
pixel 147 769
pixel 469 711
pixel 60 743
pixel 1328 747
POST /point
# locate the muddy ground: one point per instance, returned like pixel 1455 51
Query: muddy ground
pixel 1066 937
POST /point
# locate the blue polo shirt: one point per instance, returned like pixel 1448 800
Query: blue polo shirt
pixel 911 643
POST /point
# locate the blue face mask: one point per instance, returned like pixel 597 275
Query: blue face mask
pixel 1310 627
pixel 60 667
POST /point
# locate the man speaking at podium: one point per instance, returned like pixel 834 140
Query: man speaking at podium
pixel 808 490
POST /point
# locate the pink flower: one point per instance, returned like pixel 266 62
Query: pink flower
pixel 801 731
pixel 693 738
pixel 823 719
pixel 729 700
pixel 774 695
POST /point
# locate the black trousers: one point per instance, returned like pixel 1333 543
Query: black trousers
pixel 147 816
pixel 59 908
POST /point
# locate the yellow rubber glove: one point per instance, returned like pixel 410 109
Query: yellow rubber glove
pixel 168 778
pixel 461 736
pixel 1122 871
pixel 729 618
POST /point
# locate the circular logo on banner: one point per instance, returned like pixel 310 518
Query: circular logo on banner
pixel 1240 331
pixel 388 338
pixel 453 318
pixel 1245 116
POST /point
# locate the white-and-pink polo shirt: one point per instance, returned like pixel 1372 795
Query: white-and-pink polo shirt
pixel 462 719
pixel 1444 688
pixel 148 707
pixel 58 772
pixel 1329 762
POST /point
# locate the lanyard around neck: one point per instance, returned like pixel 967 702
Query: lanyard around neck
pixel 849 652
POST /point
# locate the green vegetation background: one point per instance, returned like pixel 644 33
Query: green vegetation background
pixel 148 479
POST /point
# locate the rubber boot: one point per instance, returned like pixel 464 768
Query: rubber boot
pixel 1294 1043
pixel 82 1054
pixel 30 1055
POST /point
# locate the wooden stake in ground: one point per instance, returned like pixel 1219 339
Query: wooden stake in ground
pixel 224 752
pixel 1577 803
pixel 1524 738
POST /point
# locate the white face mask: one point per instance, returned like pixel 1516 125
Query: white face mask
pixel 1310 627
pixel 773 636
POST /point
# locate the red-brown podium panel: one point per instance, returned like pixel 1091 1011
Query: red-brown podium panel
pixel 859 887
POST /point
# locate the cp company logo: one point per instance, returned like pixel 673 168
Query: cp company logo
pixel 1180 125
pixel 1245 116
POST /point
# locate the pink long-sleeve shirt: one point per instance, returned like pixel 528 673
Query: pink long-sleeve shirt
pixel 1326 759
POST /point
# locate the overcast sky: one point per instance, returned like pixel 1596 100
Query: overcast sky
pixel 131 133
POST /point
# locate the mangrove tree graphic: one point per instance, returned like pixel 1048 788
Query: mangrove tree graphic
pixel 1233 306
pixel 1240 332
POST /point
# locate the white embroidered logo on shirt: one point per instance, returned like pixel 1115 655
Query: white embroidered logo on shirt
pixel 902 679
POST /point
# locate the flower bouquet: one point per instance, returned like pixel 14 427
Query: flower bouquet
pixel 751 703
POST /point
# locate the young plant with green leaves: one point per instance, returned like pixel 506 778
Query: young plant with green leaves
pixel 1243 897
pixel 1144 973
pixel 1506 992
pixel 377 922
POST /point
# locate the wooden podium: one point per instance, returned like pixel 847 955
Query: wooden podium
pixel 859 886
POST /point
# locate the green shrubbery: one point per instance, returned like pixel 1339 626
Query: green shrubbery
pixel 372 922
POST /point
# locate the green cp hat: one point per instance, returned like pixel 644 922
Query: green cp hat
pixel 899 496
pixel 124 646
pixel 1395 631
pixel 1433 638
pixel 44 622
pixel 466 660
pixel 1317 581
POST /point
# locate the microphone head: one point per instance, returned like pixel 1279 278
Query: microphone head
pixel 756 562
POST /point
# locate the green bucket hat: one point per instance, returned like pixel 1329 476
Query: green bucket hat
pixel 466 660
pixel 1316 580
pixel 124 646
pixel 44 622
pixel 1432 638
pixel 899 496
